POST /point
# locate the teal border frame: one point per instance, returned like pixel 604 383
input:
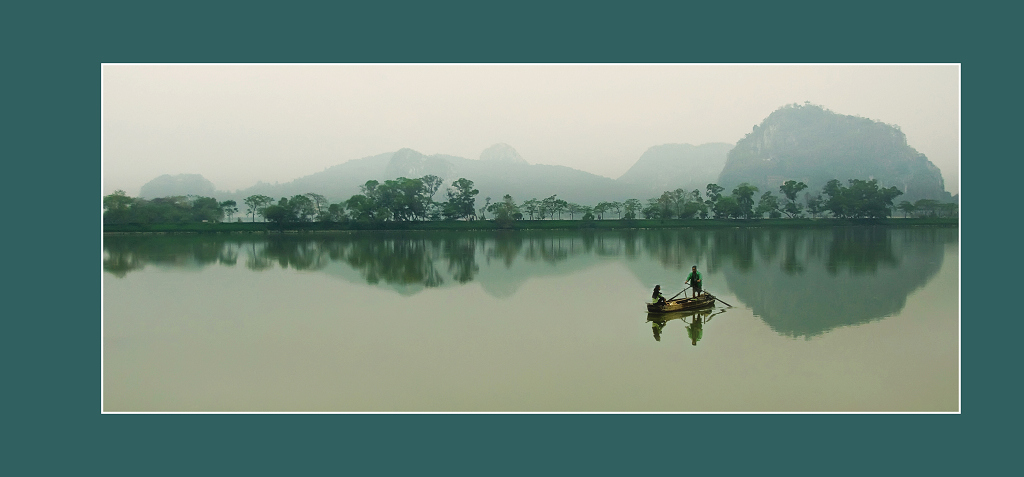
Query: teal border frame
pixel 54 85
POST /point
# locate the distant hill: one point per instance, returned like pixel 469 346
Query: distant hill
pixel 181 184
pixel 675 166
pixel 800 142
pixel 336 183
pixel 499 171
pixel 811 144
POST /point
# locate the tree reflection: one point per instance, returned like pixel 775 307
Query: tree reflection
pixel 461 255
pixel 507 247
pixel 257 260
pixel 228 255
pixel 119 259
pixel 860 250
pixel 791 262
pixel 738 245
pixel 396 260
pixel 296 253
pixel 123 254
pixel 801 282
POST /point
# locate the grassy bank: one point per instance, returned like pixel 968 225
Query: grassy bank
pixel 264 227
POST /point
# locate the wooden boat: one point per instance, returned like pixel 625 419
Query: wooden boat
pixel 704 300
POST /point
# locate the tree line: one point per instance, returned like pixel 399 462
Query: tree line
pixel 405 199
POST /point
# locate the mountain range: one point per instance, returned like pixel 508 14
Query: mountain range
pixel 800 142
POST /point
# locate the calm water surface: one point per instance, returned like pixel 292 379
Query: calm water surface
pixel 843 319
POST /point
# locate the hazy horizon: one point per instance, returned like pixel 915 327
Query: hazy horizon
pixel 240 124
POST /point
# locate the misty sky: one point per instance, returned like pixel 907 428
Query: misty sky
pixel 239 124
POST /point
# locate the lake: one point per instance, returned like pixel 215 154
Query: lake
pixel 844 319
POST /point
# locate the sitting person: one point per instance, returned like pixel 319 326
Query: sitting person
pixel 658 298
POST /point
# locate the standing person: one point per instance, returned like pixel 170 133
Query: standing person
pixel 694 280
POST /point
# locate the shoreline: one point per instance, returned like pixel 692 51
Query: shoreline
pixel 491 225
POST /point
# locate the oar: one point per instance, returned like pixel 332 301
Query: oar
pixel 677 294
pixel 724 303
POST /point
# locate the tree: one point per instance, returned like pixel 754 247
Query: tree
pixel 927 207
pixel 505 212
pixel 531 206
pixel 679 200
pixel 277 213
pixel 603 207
pixel 631 207
pixel 653 209
pixel 230 208
pixel 692 205
pixel 430 185
pixel 714 194
pixel 319 206
pixel 744 196
pixel 551 206
pixel 405 198
pixel 664 207
pixel 617 207
pixel 726 206
pixel 364 209
pixel 587 213
pixel 547 207
pixel 907 208
pixel 559 207
pixel 432 210
pixel 205 209
pixel 790 189
pixel 401 199
pixel 572 208
pixel 117 201
pixel 336 213
pixel 949 208
pixel 792 209
pixel 461 200
pixel 300 208
pixel 815 204
pixel 255 205
pixel 768 204
pixel 836 201
pixel 870 200
pixel 483 210
pixel 862 199
pixel 162 210
pixel 116 208
pixel 700 208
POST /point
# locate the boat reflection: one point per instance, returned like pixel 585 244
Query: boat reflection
pixel 693 319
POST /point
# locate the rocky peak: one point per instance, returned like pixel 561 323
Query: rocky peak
pixel 502 153
pixel 405 163
pixel 412 164
pixel 173 185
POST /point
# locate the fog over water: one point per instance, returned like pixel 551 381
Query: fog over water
pixel 240 124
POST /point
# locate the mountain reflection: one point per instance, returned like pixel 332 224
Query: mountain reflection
pixel 801 282
pixel 808 282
